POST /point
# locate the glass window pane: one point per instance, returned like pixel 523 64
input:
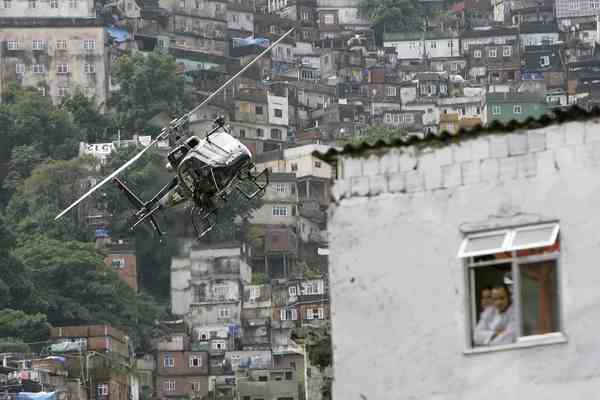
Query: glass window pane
pixel 544 235
pixel 539 298
pixel 493 317
pixel 479 245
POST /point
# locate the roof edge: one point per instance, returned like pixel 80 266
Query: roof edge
pixel 572 114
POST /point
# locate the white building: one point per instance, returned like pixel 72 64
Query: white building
pixel 278 110
pixel 415 46
pixel 417 232
pixel 47 9
pixel 58 56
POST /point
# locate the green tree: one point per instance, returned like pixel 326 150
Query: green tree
pixel 23 160
pixel 149 85
pixel 92 124
pixel 76 287
pixel 403 15
pixel 29 328
pixel 28 118
pixel 51 187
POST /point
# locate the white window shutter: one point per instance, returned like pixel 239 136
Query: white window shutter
pixel 321 313
pixel 282 314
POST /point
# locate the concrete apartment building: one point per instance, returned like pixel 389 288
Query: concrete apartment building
pixel 56 46
pixel 417 232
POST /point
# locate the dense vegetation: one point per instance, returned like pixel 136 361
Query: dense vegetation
pixel 51 272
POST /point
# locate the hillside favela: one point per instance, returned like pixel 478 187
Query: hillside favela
pixel 91 309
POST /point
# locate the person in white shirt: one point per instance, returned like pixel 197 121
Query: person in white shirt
pixel 498 326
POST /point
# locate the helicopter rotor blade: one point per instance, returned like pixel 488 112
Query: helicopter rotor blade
pixel 162 136
pixel 165 132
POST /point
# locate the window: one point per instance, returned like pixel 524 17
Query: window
pixel 517 109
pixel 292 290
pixel 294 167
pixel 477 53
pixel 38 68
pixel 102 390
pixel 390 91
pixel 118 263
pixel 258 110
pixel 224 313
pixel 492 53
pixel 280 187
pixel 12 44
pixel 595 4
pixel 218 345
pixel 197 386
pixel 254 292
pixel 19 69
pixel 38 44
pixel 195 361
pixel 289 314
pixel 280 211
pixel 496 110
pixel 506 51
pixel 278 113
pixel 198 294
pixel 276 133
pixel 62 92
pixel 315 313
pixel 61 45
pixel 32 4
pixel 168 361
pixel 89 44
pixel 273 29
pixel 520 265
pixel 260 132
pixel 312 287
pixel 7 3
pixel 53 3
pixel 544 61
pixel 317 164
pixel 573 4
pixel 89 68
pixel 169 386
pixel 305 15
pixel 62 69
pixel 220 291
pixel 433 45
pixel 242 133
pixel 409 118
pixel 454 67
pixel 328 19
pixel 73 3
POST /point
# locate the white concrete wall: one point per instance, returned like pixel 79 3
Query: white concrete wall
pixel 279 103
pixel 398 289
pixel 435 48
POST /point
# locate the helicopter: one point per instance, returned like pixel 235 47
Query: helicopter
pixel 206 170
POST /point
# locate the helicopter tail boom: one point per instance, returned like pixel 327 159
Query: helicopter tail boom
pixel 144 210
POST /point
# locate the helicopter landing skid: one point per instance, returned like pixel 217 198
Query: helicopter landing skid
pixel 203 222
pixel 254 180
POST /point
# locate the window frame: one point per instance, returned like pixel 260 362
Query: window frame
pixel 195 357
pixel 516 262
pixel 61 44
pixel 171 363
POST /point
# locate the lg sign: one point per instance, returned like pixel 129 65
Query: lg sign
pixel 99 148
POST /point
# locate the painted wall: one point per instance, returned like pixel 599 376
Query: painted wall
pixel 87 68
pixel 394 271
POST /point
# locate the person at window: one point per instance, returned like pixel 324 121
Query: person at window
pixel 500 326
pixel 487 303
